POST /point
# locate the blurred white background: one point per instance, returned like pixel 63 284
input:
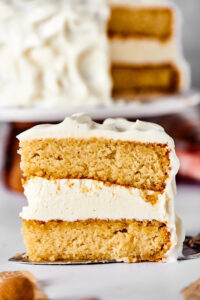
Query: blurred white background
pixel 191 36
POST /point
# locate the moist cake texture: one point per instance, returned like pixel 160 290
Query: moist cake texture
pixel 141 22
pixel 144 79
pixel 96 240
pixel 99 52
pixel 80 210
pixel 140 165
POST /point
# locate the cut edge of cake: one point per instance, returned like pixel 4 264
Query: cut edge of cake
pixel 51 206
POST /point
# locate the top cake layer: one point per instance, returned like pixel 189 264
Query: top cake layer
pixel 137 154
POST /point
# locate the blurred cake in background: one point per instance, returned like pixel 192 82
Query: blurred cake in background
pixel 77 53
pixel 145 48
pixel 54 53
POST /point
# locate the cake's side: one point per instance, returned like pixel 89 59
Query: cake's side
pixel 134 164
pixel 96 240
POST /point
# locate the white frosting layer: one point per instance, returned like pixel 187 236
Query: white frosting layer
pixel 74 199
pixel 80 199
pixel 54 53
pixel 141 51
pixel 80 125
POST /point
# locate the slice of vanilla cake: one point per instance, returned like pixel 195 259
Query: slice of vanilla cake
pixel 99 192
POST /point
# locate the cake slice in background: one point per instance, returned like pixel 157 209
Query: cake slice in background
pixel 99 192
pixel 82 53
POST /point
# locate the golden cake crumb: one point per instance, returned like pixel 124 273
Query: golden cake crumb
pixel 144 79
pixel 96 240
pixel 141 22
pixel 140 165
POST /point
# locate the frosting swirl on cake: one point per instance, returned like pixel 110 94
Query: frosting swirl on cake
pixel 58 53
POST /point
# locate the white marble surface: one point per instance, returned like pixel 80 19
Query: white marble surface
pixel 109 281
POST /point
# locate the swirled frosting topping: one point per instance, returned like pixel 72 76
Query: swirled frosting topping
pixel 54 52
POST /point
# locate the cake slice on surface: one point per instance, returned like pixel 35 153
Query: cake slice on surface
pixel 99 192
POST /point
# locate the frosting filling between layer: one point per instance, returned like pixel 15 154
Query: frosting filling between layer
pixel 80 199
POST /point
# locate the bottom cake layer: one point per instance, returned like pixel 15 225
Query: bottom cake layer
pixel 144 79
pixel 96 240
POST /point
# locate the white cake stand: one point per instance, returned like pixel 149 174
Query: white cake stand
pixel 162 106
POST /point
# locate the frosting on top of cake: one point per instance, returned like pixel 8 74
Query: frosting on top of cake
pixel 54 52
pixel 140 2
pixel 80 125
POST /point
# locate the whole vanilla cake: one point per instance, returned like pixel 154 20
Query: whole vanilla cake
pixel 99 192
pixel 88 52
